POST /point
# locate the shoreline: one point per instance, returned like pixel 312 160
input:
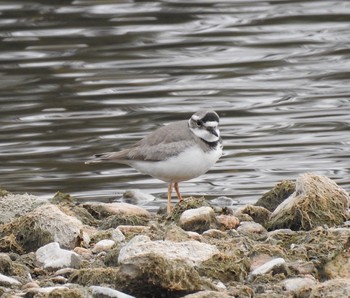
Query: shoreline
pixel 294 242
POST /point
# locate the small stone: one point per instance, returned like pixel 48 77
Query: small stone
pixel 214 233
pixel 103 245
pixel 5 264
pixel 137 197
pixel 98 292
pixel 114 234
pixel 299 284
pixel 258 214
pixel 52 257
pixel 227 222
pixel 207 294
pixel 66 272
pixel 197 220
pixel 30 285
pixel 223 201
pixel 82 251
pixel 252 230
pixel 194 236
pixel 269 266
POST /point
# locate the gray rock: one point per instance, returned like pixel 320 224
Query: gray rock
pixel 298 284
pixel 252 230
pixel 5 264
pixel 192 252
pixel 104 210
pixel 198 219
pixel 103 245
pixel 52 257
pixel 14 205
pixel 135 196
pixel 43 225
pixel 274 264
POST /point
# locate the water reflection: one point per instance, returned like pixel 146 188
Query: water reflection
pixel 80 77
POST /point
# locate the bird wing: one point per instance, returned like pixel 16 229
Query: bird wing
pixel 161 144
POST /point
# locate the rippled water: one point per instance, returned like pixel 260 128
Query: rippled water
pixel 82 77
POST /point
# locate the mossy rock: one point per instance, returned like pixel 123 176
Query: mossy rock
pixel 3 192
pixel 41 226
pixel 62 198
pixel 5 264
pixel 67 293
pixel 226 267
pixel 185 204
pixel 97 276
pixel 114 221
pixel 155 276
pixel 281 191
pixel 23 234
pixel 316 201
pixel 259 214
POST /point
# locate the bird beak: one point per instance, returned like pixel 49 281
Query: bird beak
pixel 213 131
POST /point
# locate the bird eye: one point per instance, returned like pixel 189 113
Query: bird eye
pixel 199 122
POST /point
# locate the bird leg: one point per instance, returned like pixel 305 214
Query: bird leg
pixel 170 190
pixel 176 185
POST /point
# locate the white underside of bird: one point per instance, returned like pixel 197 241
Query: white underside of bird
pixel 189 164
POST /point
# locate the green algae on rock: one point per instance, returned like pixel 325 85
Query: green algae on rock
pixel 226 267
pixel 186 204
pixel 316 201
pixel 281 191
pixel 41 226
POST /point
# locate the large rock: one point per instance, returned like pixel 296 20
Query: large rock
pixel 163 267
pixel 316 201
pixel 192 252
pixel 13 205
pixel 114 214
pixel 43 225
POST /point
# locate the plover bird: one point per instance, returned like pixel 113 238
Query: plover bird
pixel 179 151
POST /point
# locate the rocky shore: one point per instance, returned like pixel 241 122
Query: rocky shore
pixel 294 242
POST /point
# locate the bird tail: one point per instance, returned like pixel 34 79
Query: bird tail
pixel 106 157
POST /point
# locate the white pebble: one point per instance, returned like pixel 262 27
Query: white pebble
pixel 103 245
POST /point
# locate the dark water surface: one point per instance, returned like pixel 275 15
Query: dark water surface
pixel 82 77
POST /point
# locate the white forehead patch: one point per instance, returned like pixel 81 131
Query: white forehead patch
pixel 211 123
pixel 195 117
